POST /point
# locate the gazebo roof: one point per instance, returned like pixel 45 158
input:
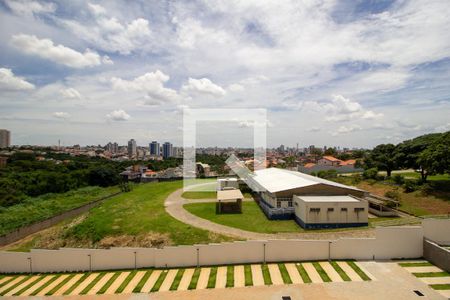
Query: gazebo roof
pixel 229 195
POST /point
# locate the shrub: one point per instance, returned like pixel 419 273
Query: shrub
pixel 398 179
pixel 410 186
pixel 356 178
pixel 426 189
pixel 394 195
pixel 371 173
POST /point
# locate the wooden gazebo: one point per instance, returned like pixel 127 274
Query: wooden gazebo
pixel 229 201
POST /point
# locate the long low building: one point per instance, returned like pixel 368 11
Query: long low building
pixel 277 187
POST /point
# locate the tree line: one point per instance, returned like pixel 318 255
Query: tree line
pixel 428 154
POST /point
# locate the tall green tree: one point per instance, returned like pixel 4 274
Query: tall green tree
pixel 384 158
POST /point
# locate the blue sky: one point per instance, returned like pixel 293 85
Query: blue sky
pixel 348 73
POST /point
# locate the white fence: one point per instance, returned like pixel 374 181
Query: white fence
pixel 389 242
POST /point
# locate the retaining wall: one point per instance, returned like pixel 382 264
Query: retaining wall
pixel 437 255
pixel 389 243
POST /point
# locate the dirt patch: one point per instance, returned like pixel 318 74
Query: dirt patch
pixel 147 240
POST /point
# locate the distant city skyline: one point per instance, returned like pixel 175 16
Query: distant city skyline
pixel 358 74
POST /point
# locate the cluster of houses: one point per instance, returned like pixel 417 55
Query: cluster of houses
pixel 330 163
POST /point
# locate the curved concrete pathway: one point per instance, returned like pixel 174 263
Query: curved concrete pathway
pixel 174 206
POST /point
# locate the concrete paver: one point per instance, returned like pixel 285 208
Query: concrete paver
pixel 21 286
pixel 151 281
pixel 203 278
pixel 84 284
pixel 97 287
pixel 445 293
pixel 4 279
pixel 117 283
pixel 221 279
pixel 293 273
pixel 312 272
pixel 275 274
pixel 68 285
pixel 37 285
pixel 186 279
pixel 349 271
pixel 257 275
pixel 133 282
pixel 11 283
pixel 52 285
pixel 423 269
pixel 436 280
pixel 331 272
pixel 365 271
pixel 239 276
pixel 165 286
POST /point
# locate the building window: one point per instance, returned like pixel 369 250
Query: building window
pixel 344 209
pixel 316 210
pixel 330 209
pixel 290 203
pixel 359 209
pixel 279 204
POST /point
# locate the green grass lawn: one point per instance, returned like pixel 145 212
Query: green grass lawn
pixel 138 212
pixel 251 219
pixel 206 195
pixel 138 216
pixel 40 208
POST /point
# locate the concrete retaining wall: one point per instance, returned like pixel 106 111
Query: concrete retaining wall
pixel 391 242
pixel 437 230
pixel 437 255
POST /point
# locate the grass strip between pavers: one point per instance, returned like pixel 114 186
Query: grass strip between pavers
pixel 15 285
pixel 7 281
pixel 266 274
pixel 230 276
pixel 444 286
pixel 76 284
pixel 125 282
pixel 212 278
pixel 303 274
pixel 176 280
pixel 341 272
pixel 321 272
pixel 45 285
pixel 93 282
pixel 358 270
pixel 60 285
pixel 284 274
pixel 29 285
pixel 160 281
pixel 141 283
pixel 431 274
pixel 104 288
pixel 415 264
pixel 194 279
pixel 248 275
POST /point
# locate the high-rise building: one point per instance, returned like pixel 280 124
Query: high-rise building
pixel 132 148
pixel 167 150
pixel 112 147
pixel 5 138
pixel 155 148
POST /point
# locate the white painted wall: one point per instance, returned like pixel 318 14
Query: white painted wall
pixel 437 230
pixel 389 242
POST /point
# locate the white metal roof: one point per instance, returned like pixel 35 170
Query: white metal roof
pixel 277 180
pixel 328 199
pixel 229 195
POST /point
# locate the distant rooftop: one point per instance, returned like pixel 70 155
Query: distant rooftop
pixel 328 199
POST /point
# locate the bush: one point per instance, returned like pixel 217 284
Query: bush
pixel 371 173
pixel 398 179
pixel 394 195
pixel 410 186
pixel 426 189
pixel 356 179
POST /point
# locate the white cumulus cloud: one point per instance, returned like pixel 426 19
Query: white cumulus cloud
pixel 151 83
pixel 61 115
pixel 29 8
pixel 8 81
pixel 118 115
pixel 203 86
pixel 70 93
pixel 45 48
pixel 346 129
